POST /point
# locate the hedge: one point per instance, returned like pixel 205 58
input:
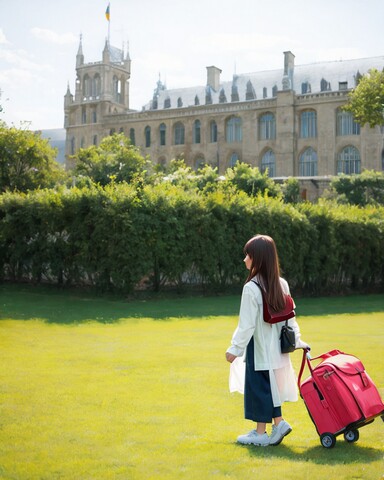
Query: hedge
pixel 119 238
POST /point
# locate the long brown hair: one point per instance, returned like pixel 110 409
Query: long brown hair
pixel 261 249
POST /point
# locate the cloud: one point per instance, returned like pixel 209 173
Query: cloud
pixel 3 39
pixel 20 59
pixel 52 37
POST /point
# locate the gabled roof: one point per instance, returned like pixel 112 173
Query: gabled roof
pixel 318 77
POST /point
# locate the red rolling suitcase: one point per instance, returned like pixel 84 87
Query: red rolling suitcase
pixel 339 395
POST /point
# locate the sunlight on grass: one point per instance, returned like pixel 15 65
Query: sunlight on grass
pixel 146 399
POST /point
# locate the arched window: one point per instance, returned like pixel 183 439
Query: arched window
pixel 213 132
pixel 147 136
pixel 234 130
pixel 96 86
pixel 162 133
pixel 179 131
pixel 346 124
pixel 196 131
pixel 267 127
pixel 308 124
pixel 199 162
pixel 234 159
pixel 116 89
pixel 132 136
pixel 349 161
pixel 308 163
pixel 179 102
pixel 86 86
pixel 167 103
pixel 268 162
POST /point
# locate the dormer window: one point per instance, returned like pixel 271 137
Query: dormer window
pixel 343 85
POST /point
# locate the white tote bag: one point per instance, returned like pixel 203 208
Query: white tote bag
pixel 237 375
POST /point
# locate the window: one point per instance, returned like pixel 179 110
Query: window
pixel 233 160
pixel 196 131
pixel 343 85
pixel 308 124
pixel 324 85
pixel 268 162
pixel 213 132
pixel 222 96
pixel 179 102
pixel 305 88
pixel 349 161
pixel 94 116
pixel 96 86
pixel 116 89
pixel 86 86
pixel 83 115
pixel 199 163
pixel 234 130
pixel 179 134
pixel 265 93
pixel 308 163
pixel 274 91
pixel 167 103
pixel 95 140
pixel 346 124
pixel 162 133
pixel 132 136
pixel 147 135
pixel 250 91
pixel 82 142
pixel 267 127
pixel 197 101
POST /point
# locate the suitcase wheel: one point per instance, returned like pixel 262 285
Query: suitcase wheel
pixel 351 435
pixel 328 440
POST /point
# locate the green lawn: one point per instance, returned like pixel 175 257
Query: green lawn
pixel 92 388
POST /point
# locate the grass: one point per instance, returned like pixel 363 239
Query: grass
pixel 94 389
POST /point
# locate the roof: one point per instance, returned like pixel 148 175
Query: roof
pixel 264 83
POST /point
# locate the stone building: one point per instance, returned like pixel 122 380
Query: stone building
pixel 288 121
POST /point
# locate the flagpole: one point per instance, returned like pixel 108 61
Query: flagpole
pixel 108 17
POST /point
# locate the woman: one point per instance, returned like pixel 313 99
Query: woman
pixel 269 376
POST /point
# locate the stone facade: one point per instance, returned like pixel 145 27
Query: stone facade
pixel 287 120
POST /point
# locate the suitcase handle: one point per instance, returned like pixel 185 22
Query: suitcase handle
pixel 332 353
pixel 306 359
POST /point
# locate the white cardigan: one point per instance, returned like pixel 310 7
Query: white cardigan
pixel 266 337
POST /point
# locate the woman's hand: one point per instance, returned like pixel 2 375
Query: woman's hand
pixel 230 358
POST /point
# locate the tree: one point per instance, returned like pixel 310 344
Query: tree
pixel 115 159
pixel 366 101
pixel 250 180
pixel 364 189
pixel 27 161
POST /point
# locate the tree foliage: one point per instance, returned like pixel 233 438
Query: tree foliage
pixel 364 189
pixel 27 161
pixel 366 101
pixel 114 160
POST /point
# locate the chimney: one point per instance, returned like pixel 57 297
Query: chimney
pixel 213 77
pixel 289 64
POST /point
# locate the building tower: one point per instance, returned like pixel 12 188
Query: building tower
pixel 102 88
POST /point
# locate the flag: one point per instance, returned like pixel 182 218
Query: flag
pixel 107 13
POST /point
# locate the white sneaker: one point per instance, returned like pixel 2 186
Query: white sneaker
pixel 279 432
pixel 254 438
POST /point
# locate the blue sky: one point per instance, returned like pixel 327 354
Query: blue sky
pixel 174 38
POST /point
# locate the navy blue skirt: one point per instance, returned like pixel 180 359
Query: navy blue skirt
pixel 258 403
